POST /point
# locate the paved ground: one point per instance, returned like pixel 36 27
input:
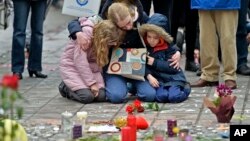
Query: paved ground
pixel 46 105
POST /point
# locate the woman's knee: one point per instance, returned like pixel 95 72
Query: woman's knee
pixel 116 96
pixel 147 95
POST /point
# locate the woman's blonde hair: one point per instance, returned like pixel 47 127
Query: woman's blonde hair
pixel 119 11
pixel 104 33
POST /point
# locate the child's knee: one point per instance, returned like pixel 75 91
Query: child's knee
pixel 102 96
pixel 84 96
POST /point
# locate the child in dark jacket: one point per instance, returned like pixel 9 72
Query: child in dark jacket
pixel 170 83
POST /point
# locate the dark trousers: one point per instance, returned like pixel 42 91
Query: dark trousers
pixel 160 6
pixel 191 24
pixel 83 95
pixel 241 43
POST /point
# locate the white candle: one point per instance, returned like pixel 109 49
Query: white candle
pixel 66 121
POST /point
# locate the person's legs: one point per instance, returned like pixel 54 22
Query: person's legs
pixel 83 95
pixel 145 91
pixel 241 43
pixel 226 23
pixel 191 24
pixel 209 46
pixel 116 88
pixel 178 94
pixel 162 94
pixel 102 96
pixel 21 12
pixel 37 18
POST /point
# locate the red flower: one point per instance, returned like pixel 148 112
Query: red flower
pixel 140 109
pixel 130 108
pixel 10 81
pixel 137 103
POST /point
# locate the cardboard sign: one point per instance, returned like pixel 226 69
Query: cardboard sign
pixel 81 8
pixel 129 62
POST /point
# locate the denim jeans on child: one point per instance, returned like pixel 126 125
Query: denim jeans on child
pixel 172 94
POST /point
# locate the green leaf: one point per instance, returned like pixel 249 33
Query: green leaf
pixel 19 111
pixel 155 107
pixel 5 105
pixel 217 101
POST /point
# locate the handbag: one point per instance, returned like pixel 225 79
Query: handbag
pixel 6 7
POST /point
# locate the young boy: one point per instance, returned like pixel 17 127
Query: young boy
pixel 170 83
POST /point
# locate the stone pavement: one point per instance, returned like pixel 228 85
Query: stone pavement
pixel 45 105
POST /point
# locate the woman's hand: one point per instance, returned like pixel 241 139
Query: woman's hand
pixel 82 41
pixel 94 89
pixel 175 60
pixel 153 81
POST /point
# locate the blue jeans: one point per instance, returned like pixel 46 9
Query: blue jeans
pixel 21 12
pixel 116 89
pixel 172 94
pixel 241 43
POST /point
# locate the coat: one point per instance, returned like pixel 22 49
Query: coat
pixel 78 68
pixel 215 4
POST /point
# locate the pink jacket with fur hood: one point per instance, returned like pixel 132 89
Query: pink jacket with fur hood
pixel 78 68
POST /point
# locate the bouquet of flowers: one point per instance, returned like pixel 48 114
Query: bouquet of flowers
pixel 136 106
pixel 222 106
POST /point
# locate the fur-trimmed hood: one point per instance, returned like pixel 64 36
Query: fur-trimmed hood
pixel 157 23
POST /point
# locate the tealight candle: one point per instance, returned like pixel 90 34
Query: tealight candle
pixel 81 117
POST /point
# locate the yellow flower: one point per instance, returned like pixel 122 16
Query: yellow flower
pixel 176 130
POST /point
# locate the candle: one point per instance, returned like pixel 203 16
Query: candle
pixel 131 122
pixel 66 121
pixel 171 123
pixel 125 133
pixel 82 116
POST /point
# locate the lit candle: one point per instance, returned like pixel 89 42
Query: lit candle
pixel 131 122
pixel 125 133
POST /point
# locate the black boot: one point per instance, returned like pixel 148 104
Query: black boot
pixel 63 90
pixel 37 74
pixel 191 66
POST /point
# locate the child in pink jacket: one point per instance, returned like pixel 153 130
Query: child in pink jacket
pixel 81 69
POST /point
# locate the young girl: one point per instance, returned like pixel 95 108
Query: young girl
pixel 81 70
pixel 170 83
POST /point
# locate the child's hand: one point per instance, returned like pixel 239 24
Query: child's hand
pixel 153 81
pixel 150 60
pixel 82 41
pixel 94 89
